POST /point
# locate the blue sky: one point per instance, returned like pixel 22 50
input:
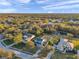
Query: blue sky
pixel 39 6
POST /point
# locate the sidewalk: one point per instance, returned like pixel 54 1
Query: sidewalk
pixel 36 54
pixel 49 55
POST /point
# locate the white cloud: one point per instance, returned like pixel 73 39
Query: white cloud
pixel 70 6
pixel 62 7
pixel 41 1
pixel 5 3
pixel 24 1
pixel 7 10
pixel 50 12
pixel 62 4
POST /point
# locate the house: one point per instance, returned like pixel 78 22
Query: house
pixel 73 20
pixel 46 25
pixel 78 52
pixel 1 36
pixel 39 42
pixel 27 36
pixel 64 45
pixel 58 20
pixel 70 46
pixel 62 32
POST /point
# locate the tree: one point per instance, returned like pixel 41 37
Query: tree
pixel 45 21
pixel 1 52
pixel 39 31
pixel 30 44
pixel 36 29
pixel 9 55
pixel 70 35
pixel 2 26
pixel 11 29
pixel 49 30
pixel 18 38
pixel 54 40
pixel 9 36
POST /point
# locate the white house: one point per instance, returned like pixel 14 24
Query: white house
pixel 77 54
pixel 39 42
pixel 27 37
pixel 70 46
pixel 64 45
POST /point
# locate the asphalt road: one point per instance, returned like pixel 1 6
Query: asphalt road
pixel 19 54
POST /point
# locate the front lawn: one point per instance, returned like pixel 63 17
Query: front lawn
pixel 8 41
pixel 44 52
pixel 31 50
pixel 19 45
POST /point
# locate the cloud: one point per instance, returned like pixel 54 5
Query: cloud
pixel 66 4
pixel 72 10
pixel 7 10
pixel 64 11
pixel 24 1
pixel 5 3
pixel 50 12
pixel 41 1
pixel 70 6
pixel 62 7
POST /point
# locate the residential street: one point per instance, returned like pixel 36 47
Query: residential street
pixel 20 54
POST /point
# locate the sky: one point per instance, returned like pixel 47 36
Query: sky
pixel 39 6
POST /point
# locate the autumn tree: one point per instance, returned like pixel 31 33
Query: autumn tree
pixel 2 26
pixel 46 21
pixel 1 52
pixel 11 29
pixel 36 29
pixel 18 38
pixel 9 55
pixel 6 54
pixel 9 36
pixel 54 40
pixel 30 44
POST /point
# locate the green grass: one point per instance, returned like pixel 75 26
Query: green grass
pixel 19 45
pixel 30 49
pixel 8 42
pixel 23 47
pixel 15 57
